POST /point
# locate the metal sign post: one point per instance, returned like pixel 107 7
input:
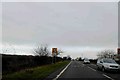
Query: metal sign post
pixel 54 54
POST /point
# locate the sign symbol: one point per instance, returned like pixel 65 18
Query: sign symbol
pixel 54 51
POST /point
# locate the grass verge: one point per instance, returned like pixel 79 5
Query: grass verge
pixel 37 73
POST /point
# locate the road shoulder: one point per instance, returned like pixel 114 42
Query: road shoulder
pixel 54 74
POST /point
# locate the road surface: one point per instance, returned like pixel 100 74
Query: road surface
pixel 76 70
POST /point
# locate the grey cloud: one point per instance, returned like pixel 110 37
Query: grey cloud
pixel 65 24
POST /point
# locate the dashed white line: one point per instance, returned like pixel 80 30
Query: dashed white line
pixel 62 72
pixel 107 77
pixel 91 68
pixel 102 74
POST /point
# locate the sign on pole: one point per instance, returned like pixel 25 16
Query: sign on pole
pixel 118 50
pixel 54 51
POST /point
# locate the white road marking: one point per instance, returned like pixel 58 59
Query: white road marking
pixel 92 68
pixel 107 77
pixel 62 72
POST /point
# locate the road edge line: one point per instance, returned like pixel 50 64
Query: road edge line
pixel 107 76
pixel 61 72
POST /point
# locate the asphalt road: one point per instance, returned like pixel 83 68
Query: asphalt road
pixel 76 70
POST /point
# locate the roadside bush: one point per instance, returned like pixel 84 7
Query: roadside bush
pixel 12 63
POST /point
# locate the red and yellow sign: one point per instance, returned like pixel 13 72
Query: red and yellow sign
pixel 118 50
pixel 54 51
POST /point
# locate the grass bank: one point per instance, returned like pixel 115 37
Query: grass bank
pixel 37 73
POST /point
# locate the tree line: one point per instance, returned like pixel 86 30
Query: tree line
pixel 13 63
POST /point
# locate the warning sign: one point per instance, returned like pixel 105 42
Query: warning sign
pixel 54 51
pixel 118 50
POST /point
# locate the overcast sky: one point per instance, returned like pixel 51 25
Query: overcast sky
pixel 78 28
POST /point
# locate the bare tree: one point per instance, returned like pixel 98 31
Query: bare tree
pixel 60 51
pixel 68 57
pixel 42 50
pixel 106 54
